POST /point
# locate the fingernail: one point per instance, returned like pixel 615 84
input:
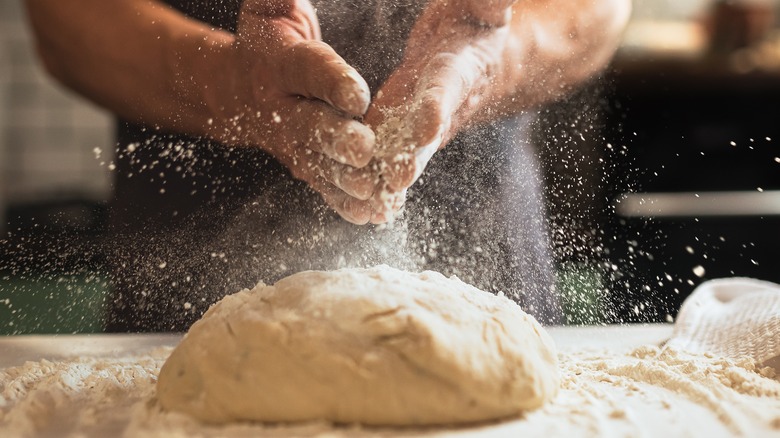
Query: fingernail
pixel 352 95
pixel 354 145
pixel 359 211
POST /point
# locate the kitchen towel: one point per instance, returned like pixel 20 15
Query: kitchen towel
pixel 732 317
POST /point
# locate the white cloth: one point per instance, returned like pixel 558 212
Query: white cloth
pixel 734 317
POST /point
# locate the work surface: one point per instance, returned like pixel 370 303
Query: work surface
pixel 616 381
pixel 16 350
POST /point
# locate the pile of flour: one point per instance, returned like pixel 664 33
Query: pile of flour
pixel 78 397
pixel 649 391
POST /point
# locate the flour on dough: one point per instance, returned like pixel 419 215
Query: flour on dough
pixel 374 346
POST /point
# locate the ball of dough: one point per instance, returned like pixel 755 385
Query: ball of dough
pixel 374 346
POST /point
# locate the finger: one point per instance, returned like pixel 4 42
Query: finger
pixel 379 219
pixel 313 69
pixel 448 81
pixel 428 122
pixel 398 134
pixel 319 128
pixel 398 170
pixel 405 155
pixel 345 141
pixel 307 168
pixel 358 183
pixel 352 210
pixel 402 170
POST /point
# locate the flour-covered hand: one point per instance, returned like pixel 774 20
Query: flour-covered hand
pixel 450 62
pixel 289 93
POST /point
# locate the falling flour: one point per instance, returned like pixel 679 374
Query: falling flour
pixel 397 148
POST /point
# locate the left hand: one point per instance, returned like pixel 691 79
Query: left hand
pixel 282 89
pixel 450 67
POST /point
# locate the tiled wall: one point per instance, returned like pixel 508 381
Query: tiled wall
pixel 47 133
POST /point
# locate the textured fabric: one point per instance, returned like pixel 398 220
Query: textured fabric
pixel 731 317
pixel 195 220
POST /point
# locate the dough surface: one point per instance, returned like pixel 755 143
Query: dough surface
pixel 374 346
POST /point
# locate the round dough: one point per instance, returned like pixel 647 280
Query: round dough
pixel 374 346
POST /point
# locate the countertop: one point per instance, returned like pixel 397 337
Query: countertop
pixel 15 350
pixel 618 390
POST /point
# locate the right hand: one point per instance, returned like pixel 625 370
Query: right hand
pixel 289 93
pixel 450 70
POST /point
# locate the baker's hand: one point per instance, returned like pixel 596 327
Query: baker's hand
pixel 292 95
pixel 452 54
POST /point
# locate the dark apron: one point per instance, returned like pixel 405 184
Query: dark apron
pixel 193 221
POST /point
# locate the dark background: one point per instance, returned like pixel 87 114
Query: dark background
pixel 689 105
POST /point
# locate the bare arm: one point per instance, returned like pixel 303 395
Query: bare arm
pixel 148 63
pixel 272 85
pixel 556 45
pixel 463 69
pixel 140 59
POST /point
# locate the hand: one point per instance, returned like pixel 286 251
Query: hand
pixel 289 93
pixel 452 57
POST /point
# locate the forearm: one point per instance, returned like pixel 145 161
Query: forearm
pixel 554 46
pixel 138 58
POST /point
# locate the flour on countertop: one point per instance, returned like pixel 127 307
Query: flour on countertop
pixel 78 397
pixel 647 392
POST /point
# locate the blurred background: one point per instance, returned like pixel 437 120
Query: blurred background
pixel 663 173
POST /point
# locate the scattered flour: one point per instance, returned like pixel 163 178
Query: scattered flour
pixel 78 397
pixel 397 151
pixel 647 392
